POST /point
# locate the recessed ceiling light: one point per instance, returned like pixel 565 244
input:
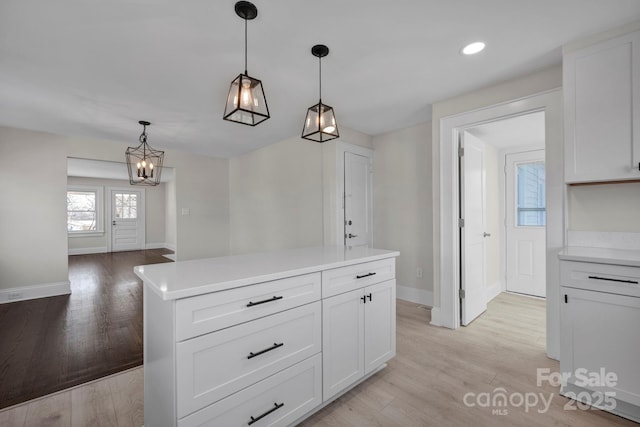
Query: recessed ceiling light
pixel 472 48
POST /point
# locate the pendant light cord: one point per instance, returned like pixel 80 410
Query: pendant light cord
pixel 320 75
pixel 245 47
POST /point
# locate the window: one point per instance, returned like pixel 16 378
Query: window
pixel 531 209
pixel 84 210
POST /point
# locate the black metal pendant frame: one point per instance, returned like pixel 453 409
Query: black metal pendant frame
pixel 234 111
pixel 243 115
pixel 313 128
pixel 144 153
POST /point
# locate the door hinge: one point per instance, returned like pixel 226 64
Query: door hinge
pixel 462 293
pixel 460 222
pixel 460 151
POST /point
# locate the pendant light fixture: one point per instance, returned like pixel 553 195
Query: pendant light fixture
pixel 143 162
pixel 320 124
pixel 246 102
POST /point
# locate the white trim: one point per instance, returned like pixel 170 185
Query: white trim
pixel 87 251
pixel 35 291
pixel 157 246
pixel 341 148
pixel 170 246
pixel 419 296
pixel 435 316
pixel 494 290
pixel 142 212
pixel 450 126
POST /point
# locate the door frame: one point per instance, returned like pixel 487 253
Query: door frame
pixel 109 213
pixel 447 314
pixel 341 149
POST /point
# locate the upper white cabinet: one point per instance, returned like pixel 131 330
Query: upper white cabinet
pixel 602 111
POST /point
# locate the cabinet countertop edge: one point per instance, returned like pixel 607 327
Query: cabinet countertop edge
pixel 183 279
pixel 623 257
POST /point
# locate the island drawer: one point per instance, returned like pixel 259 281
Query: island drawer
pixel 344 279
pixel 613 279
pixel 216 365
pixel 211 312
pixel 277 401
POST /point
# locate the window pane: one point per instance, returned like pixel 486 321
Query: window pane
pixel 531 197
pixel 126 206
pixel 81 211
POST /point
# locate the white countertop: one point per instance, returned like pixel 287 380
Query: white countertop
pixel 189 278
pixel 601 255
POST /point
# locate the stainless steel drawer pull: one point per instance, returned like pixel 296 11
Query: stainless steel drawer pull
pixel 276 406
pixel 252 354
pixel 635 282
pixel 365 275
pixel 251 304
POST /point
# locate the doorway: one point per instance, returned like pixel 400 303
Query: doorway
pixel 354 195
pixel 502 210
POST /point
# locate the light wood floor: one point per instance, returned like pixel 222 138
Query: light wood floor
pixel 424 385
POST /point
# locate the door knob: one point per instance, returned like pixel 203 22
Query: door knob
pixel 486 234
pixel 351 236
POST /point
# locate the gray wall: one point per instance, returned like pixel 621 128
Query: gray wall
pixel 402 215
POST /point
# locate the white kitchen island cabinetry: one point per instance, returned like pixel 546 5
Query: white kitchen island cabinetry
pixel 601 86
pixel 600 315
pixel 241 340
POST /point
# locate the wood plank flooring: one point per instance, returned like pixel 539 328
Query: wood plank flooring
pixel 50 344
pixel 423 386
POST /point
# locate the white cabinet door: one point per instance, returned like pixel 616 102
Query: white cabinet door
pixel 602 107
pixel 342 341
pixel 379 325
pixel 599 331
pixel 358 334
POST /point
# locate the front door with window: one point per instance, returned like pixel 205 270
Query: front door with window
pixel 127 220
pixel 526 223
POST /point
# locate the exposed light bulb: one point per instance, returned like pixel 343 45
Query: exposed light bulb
pixel 246 97
pixel 144 164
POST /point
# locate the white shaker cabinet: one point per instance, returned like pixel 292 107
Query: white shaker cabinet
pixel 600 343
pixel 358 331
pixel 239 340
pixel 601 85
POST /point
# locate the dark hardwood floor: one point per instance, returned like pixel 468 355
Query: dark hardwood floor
pixel 50 344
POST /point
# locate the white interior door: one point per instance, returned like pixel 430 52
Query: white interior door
pixel 525 223
pixel 357 200
pixel 472 203
pixel 127 219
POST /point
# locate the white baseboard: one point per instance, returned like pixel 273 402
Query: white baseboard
pixel 435 316
pixel 494 290
pixel 419 296
pixel 156 246
pixel 87 251
pixel 36 291
pixel 170 246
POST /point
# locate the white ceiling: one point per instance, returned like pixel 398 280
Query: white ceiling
pixel 522 131
pixel 94 68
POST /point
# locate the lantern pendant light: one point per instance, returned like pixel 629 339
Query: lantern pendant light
pixel 320 124
pixel 143 162
pixel 246 102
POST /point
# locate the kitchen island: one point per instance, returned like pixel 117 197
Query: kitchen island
pixel 264 339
